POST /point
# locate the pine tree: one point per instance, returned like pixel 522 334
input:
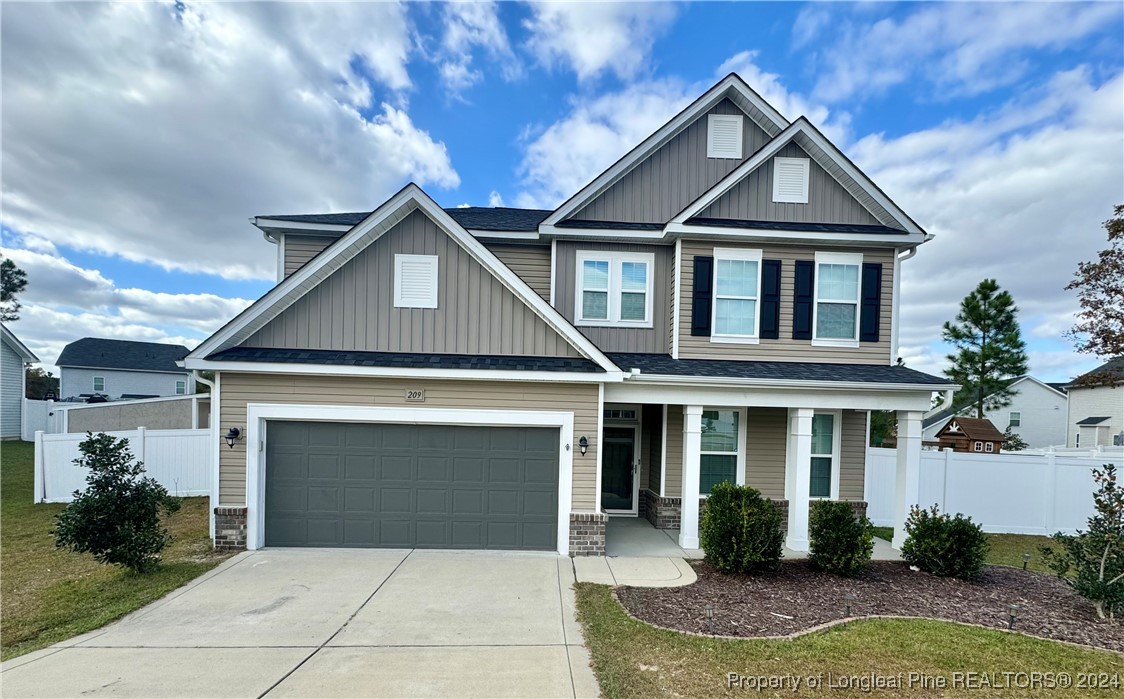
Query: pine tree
pixel 989 348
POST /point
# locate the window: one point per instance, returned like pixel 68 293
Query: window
pixel 836 315
pixel 1016 419
pixel 737 289
pixel 724 136
pixel 614 289
pixel 1076 440
pixel 978 446
pixel 99 384
pixel 989 447
pixel 721 449
pixel 823 455
pixel 415 281
pixel 181 388
pixel 790 180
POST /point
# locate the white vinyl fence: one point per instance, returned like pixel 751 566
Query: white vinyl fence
pixel 180 460
pixel 36 416
pixel 1010 493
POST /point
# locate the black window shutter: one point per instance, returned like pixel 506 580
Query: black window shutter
pixel 701 295
pixel 802 300
pixel 770 299
pixel 871 302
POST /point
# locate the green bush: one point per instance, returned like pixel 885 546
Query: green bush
pixel 841 542
pixel 943 545
pixel 741 530
pixel 117 517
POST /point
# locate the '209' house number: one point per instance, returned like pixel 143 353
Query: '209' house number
pixel 415 394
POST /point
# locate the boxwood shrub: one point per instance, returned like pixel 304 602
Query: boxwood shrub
pixel 944 545
pixel 741 531
pixel 841 541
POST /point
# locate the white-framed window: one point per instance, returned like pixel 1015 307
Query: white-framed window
pixel 1077 439
pixel 181 387
pixel 835 316
pixel 790 180
pixel 722 456
pixel 1016 419
pixel 978 446
pixel 825 455
pixel 989 447
pixel 724 136
pixel 99 384
pixel 415 281
pixel 614 288
pixel 736 310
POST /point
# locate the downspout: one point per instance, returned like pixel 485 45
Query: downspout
pixel 212 420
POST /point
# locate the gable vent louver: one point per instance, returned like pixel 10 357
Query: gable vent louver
pixel 790 180
pixel 724 136
pixel 415 281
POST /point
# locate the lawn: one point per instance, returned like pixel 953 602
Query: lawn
pixel 50 595
pixel 633 659
pixel 1006 549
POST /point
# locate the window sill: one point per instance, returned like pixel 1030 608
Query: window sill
pixel 835 343
pixel 734 340
pixel 610 324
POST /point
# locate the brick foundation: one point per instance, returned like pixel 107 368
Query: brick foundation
pixel 230 528
pixel 859 507
pixel 587 533
pixel 663 513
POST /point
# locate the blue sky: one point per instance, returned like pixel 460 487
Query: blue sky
pixel 138 139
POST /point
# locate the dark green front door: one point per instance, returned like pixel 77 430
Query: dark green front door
pixel 618 463
pixel 410 486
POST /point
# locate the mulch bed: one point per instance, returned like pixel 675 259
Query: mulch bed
pixel 798 597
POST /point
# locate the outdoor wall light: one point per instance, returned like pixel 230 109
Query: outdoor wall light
pixel 583 444
pixel 232 436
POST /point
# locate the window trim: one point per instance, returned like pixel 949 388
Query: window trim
pixel 779 198
pixel 836 436
pixel 616 260
pixel 1013 421
pixel 750 254
pixel 989 447
pixel 853 259
pixel 741 439
pixel 977 446
pixel 94 384
pixel 180 382
pixel 435 264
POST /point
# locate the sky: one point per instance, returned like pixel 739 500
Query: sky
pixel 137 139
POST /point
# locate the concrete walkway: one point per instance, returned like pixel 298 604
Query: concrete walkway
pixel 336 623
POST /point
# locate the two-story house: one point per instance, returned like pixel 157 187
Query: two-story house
pixel 1096 407
pixel 719 304
pixel 122 370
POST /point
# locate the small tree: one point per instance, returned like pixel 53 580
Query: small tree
pixel 117 517
pixel 1096 556
pixel 1012 441
pixel 1100 292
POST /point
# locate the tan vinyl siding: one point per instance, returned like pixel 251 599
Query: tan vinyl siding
pixel 653 446
pixel 353 309
pixel 784 348
pixel 673 176
pixel 302 248
pixel 239 389
pixel 652 339
pixel 674 478
pixel 852 455
pixel 766 446
pixel 752 198
pixel 530 262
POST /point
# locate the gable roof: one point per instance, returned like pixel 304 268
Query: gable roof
pixel 10 339
pixel 732 87
pixel 481 218
pixel 1090 421
pixel 975 428
pixel 1109 373
pixel 1055 387
pixel 409 199
pixel 827 156
pixel 123 355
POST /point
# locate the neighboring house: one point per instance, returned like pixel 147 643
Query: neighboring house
pixel 1096 409
pixel 14 360
pixel 970 434
pixel 720 304
pixel 1037 414
pixel 122 369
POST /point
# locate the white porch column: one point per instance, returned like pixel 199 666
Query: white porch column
pixel 799 462
pixel 689 505
pixel 907 478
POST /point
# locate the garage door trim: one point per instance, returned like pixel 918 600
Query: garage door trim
pixel 258 413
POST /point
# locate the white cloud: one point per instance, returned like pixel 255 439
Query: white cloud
pixel 468 26
pixel 591 38
pixel 495 199
pixel 133 130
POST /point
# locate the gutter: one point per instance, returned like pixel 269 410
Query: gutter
pixel 731 382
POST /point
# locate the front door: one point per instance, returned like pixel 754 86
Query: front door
pixel 619 468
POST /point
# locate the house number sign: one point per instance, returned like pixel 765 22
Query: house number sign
pixel 415 394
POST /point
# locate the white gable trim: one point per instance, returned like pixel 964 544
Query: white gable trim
pixel 406 201
pixel 19 348
pixel 732 85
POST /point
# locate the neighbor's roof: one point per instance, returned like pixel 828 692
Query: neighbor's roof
pixel 976 428
pixel 1092 421
pixel 1111 372
pixel 480 218
pixel 409 360
pixel 126 355
pixel 664 365
pixel 17 346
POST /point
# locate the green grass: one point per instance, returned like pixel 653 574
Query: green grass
pixel 633 659
pixel 49 595
pixel 886 533
pixel 1006 549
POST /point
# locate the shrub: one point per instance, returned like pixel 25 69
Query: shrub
pixel 943 545
pixel 1096 556
pixel 741 530
pixel 841 542
pixel 117 517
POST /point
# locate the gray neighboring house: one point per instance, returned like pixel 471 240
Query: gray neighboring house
pixel 14 357
pixel 1037 413
pixel 122 369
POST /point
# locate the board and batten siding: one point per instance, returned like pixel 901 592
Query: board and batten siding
pixel 353 309
pixel 299 249
pixel 673 176
pixel 784 348
pixel 766 444
pixel 530 262
pixel 237 390
pixel 673 481
pixel 11 393
pixel 609 339
pixel 752 198
pixel 852 454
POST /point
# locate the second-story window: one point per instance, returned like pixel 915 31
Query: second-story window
pixel 837 299
pixel 737 289
pixel 614 288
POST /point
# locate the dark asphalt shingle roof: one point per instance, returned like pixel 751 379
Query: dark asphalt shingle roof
pixel 480 218
pixel 1111 372
pixel 795 226
pixel 938 417
pixel 100 353
pixel 1057 385
pixel 663 364
pixel 407 360
pixel 618 225
pixel 1092 420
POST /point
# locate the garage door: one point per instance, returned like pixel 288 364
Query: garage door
pixel 406 486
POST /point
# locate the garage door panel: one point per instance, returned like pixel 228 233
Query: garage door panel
pixel 359 467
pixel 502 535
pixel 324 434
pixel 432 501
pixel 501 502
pixel 324 499
pixel 360 500
pixel 396 468
pixel 398 436
pixel 289 464
pixel 359 532
pixel 394 500
pixel 434 468
pixel 503 471
pixel 468 502
pixel 324 531
pixel 396 533
pixel 431 533
pixel 538 536
pixel 324 466
pixel 539 502
pixel 355 437
pixel 467 534
pixel 466 470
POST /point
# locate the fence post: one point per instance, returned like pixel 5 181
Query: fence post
pixel 1050 496
pixel 195 413
pixel 138 448
pixel 39 493
pixel 948 454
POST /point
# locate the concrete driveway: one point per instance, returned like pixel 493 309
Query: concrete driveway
pixel 336 623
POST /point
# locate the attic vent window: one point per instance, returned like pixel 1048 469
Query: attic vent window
pixel 415 281
pixel 790 180
pixel 724 136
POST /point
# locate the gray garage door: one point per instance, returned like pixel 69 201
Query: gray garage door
pixel 383 485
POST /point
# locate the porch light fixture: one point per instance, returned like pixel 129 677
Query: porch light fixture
pixel 1012 614
pixel 232 436
pixel 1026 559
pixel 848 602
pixel 583 444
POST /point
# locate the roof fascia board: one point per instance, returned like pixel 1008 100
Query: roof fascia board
pixel 20 348
pixel 333 230
pixel 551 231
pixel 675 230
pixel 302 226
pixel 675 379
pixel 403 372
pixel 121 369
